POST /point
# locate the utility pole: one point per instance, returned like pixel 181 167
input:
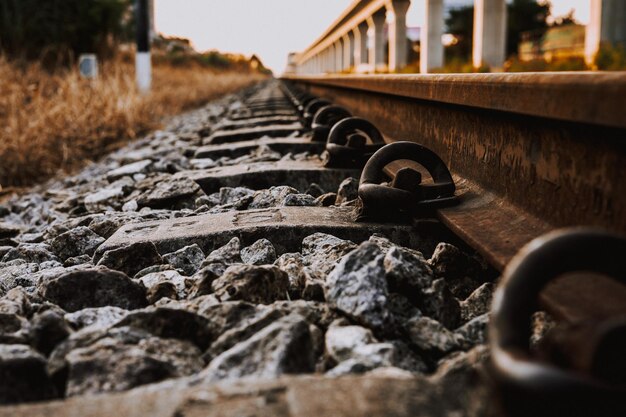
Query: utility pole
pixel 143 63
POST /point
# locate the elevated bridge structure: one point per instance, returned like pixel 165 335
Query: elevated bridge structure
pixel 356 40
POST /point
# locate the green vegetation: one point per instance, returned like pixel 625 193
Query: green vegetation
pixel 611 58
pixel 535 65
pixel 49 29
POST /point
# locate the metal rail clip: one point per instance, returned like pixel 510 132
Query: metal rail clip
pixel 312 108
pixel 530 387
pixel 406 195
pixel 347 145
pixel 325 118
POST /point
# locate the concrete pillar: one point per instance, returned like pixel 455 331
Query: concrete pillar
pixel 607 25
pixel 489 33
pixel 376 24
pixel 143 60
pixel 361 59
pixel 348 50
pixel 338 56
pixel 331 59
pixel 431 48
pixel 398 45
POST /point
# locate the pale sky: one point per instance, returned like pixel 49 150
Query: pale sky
pixel 273 28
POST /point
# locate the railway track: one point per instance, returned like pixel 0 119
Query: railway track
pixel 299 228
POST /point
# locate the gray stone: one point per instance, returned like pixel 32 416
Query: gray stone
pixel 76 242
pixel 16 301
pixel 47 330
pixel 261 252
pixel 203 282
pixel 283 347
pixel 168 192
pixel 4 250
pixel 100 317
pixel 109 365
pixel 348 191
pixel 458 379
pixel 478 303
pixel 132 258
pixel 109 198
pixel 358 288
pixel 24 376
pixel 35 237
pixel 16 274
pixel 293 265
pixel 8 231
pixel 130 206
pixel 230 195
pixel 431 336
pixel 316 313
pixel 322 251
pixel 50 265
pixel 342 341
pixel 227 254
pixel 96 287
pixel 461 271
pixel 314 286
pixel 449 261
pixel 407 272
pixel 171 323
pixel 14 329
pixel 439 303
pixel 256 284
pixel 106 226
pixel 187 259
pixel 299 200
pixel 326 200
pixel 154 269
pixel 139 167
pixel 314 190
pixel 355 350
pixel 382 242
pixel 244 330
pixel 168 284
pixel 223 316
pixel 475 331
pixel 78 260
pixel 31 252
pixel 271 197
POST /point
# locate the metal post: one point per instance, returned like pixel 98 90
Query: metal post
pixel 143 63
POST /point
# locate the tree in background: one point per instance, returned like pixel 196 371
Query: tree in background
pixel 49 29
pixel 460 23
pixel 523 15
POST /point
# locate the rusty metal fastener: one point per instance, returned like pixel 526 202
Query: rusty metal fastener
pixel 347 143
pixel 311 108
pixel 528 387
pixel 406 195
pixel 325 119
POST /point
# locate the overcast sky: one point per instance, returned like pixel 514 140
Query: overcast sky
pixel 272 28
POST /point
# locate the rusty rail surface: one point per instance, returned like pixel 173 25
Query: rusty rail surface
pixel 529 152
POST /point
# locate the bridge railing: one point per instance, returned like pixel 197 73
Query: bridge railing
pixel 356 40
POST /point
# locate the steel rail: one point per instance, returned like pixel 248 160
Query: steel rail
pixel 529 153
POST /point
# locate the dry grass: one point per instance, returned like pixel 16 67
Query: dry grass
pixel 57 122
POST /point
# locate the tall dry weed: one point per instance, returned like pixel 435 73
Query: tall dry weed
pixel 51 123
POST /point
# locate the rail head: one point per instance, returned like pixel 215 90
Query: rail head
pixel 583 97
